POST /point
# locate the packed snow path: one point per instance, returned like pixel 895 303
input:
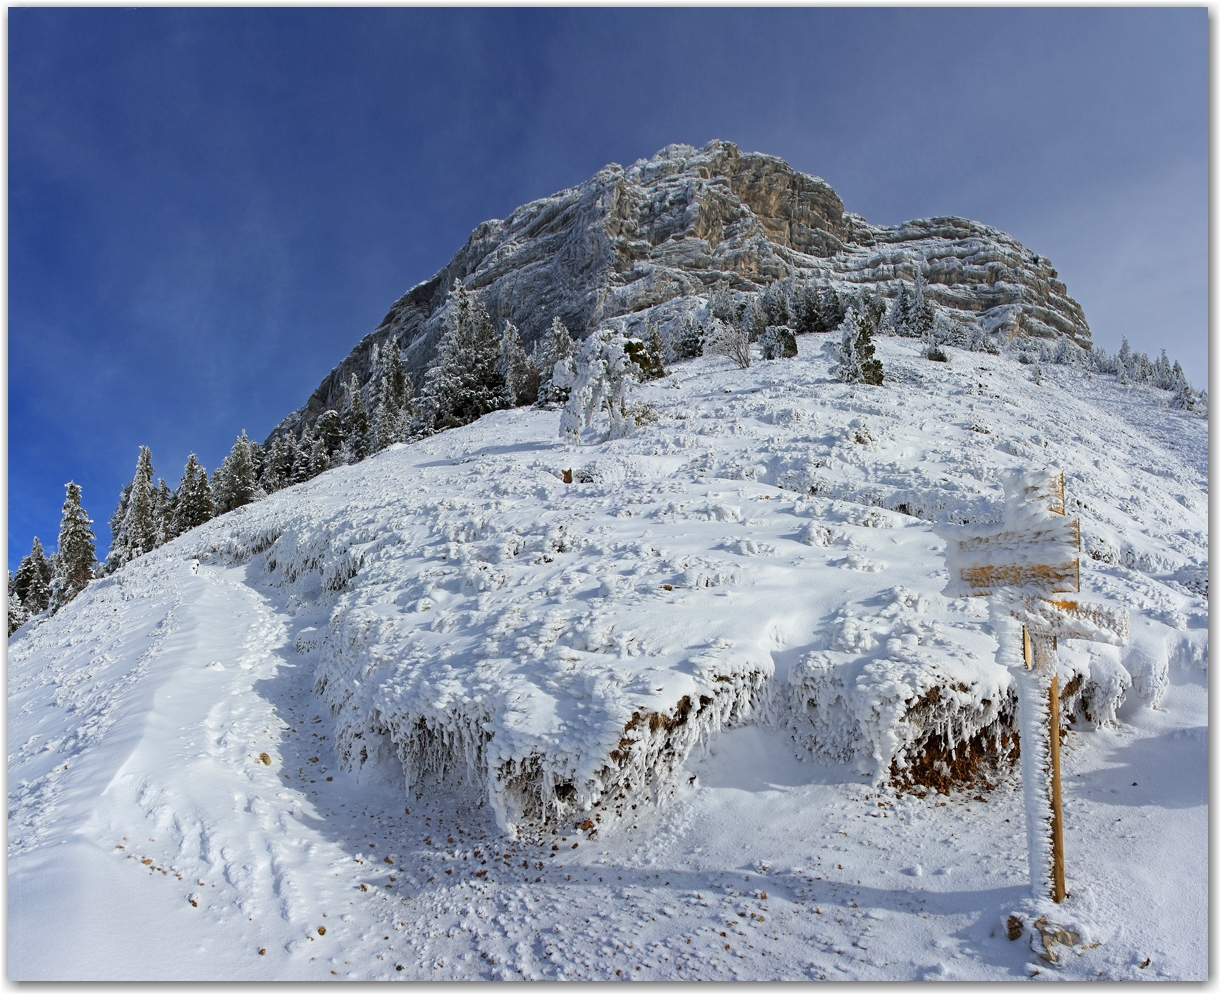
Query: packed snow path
pixel 150 838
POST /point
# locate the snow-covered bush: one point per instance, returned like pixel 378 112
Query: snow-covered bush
pixel 598 379
pixel 778 342
pixel 729 340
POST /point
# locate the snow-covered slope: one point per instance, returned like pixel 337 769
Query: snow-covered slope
pixel 736 611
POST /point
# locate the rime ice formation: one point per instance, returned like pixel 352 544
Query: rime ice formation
pixel 650 241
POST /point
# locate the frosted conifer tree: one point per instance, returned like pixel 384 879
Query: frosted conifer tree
pixel 922 312
pixel 518 371
pixel 899 317
pixel 329 429
pixel 296 461
pixel 690 338
pixel 164 516
pixel 137 533
pixel 32 583
pixel 598 379
pixel 319 458
pixel 392 417
pixel 357 438
pixel 18 614
pixel 848 369
pixel 464 381
pixel 554 346
pixel 234 483
pixel 276 469
pixel 75 557
pixel 193 500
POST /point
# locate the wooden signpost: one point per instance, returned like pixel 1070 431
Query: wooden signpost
pixel 1024 566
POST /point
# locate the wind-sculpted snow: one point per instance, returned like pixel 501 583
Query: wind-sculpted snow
pixel 764 551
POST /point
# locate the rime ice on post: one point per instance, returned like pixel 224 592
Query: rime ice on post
pixel 1024 567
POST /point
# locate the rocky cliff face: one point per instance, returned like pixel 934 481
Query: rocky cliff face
pixel 652 240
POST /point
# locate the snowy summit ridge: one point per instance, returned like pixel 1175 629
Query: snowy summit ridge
pixel 650 240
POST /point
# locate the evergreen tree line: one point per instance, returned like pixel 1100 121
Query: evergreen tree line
pixel 475 371
pixel 48 582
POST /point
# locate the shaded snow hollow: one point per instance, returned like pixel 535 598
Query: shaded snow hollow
pixel 736 609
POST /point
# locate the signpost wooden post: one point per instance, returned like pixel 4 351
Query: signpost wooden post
pixel 1024 566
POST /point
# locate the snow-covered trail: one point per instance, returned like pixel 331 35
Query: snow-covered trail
pixel 185 854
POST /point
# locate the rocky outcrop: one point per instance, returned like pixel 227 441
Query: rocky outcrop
pixel 668 229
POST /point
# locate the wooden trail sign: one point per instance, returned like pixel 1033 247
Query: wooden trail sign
pixel 1024 566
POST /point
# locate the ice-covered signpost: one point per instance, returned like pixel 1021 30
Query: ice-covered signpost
pixel 1024 566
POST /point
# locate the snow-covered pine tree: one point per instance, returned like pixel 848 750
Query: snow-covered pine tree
pixel 778 342
pixel 519 373
pixel 774 304
pixel 831 308
pixel 193 499
pixel 137 534
pixel 870 310
pixel 1124 360
pixel 237 485
pixel 392 415
pixel 754 321
pixel 847 369
pixel 598 379
pixel 357 435
pixel 329 429
pixel 18 614
pixel 319 458
pixel 464 381
pixel 899 317
pixel 276 468
pixel 164 514
pixel 296 461
pixel 690 338
pixel 871 371
pixel 116 522
pixel 76 555
pixel 922 313
pixel 554 346
pixel 32 583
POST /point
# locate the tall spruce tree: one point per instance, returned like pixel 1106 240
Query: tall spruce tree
pixel 296 459
pixel 32 583
pixel 464 381
pixel 553 346
pixel 922 313
pixel 848 367
pixel 234 484
pixel 319 458
pixel 330 431
pixel 137 532
pixel 871 371
pixel 276 468
pixel 357 434
pixel 193 501
pixel 18 613
pixel 76 555
pixel 518 371
pixel 164 514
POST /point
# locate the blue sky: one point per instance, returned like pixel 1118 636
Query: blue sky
pixel 209 207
